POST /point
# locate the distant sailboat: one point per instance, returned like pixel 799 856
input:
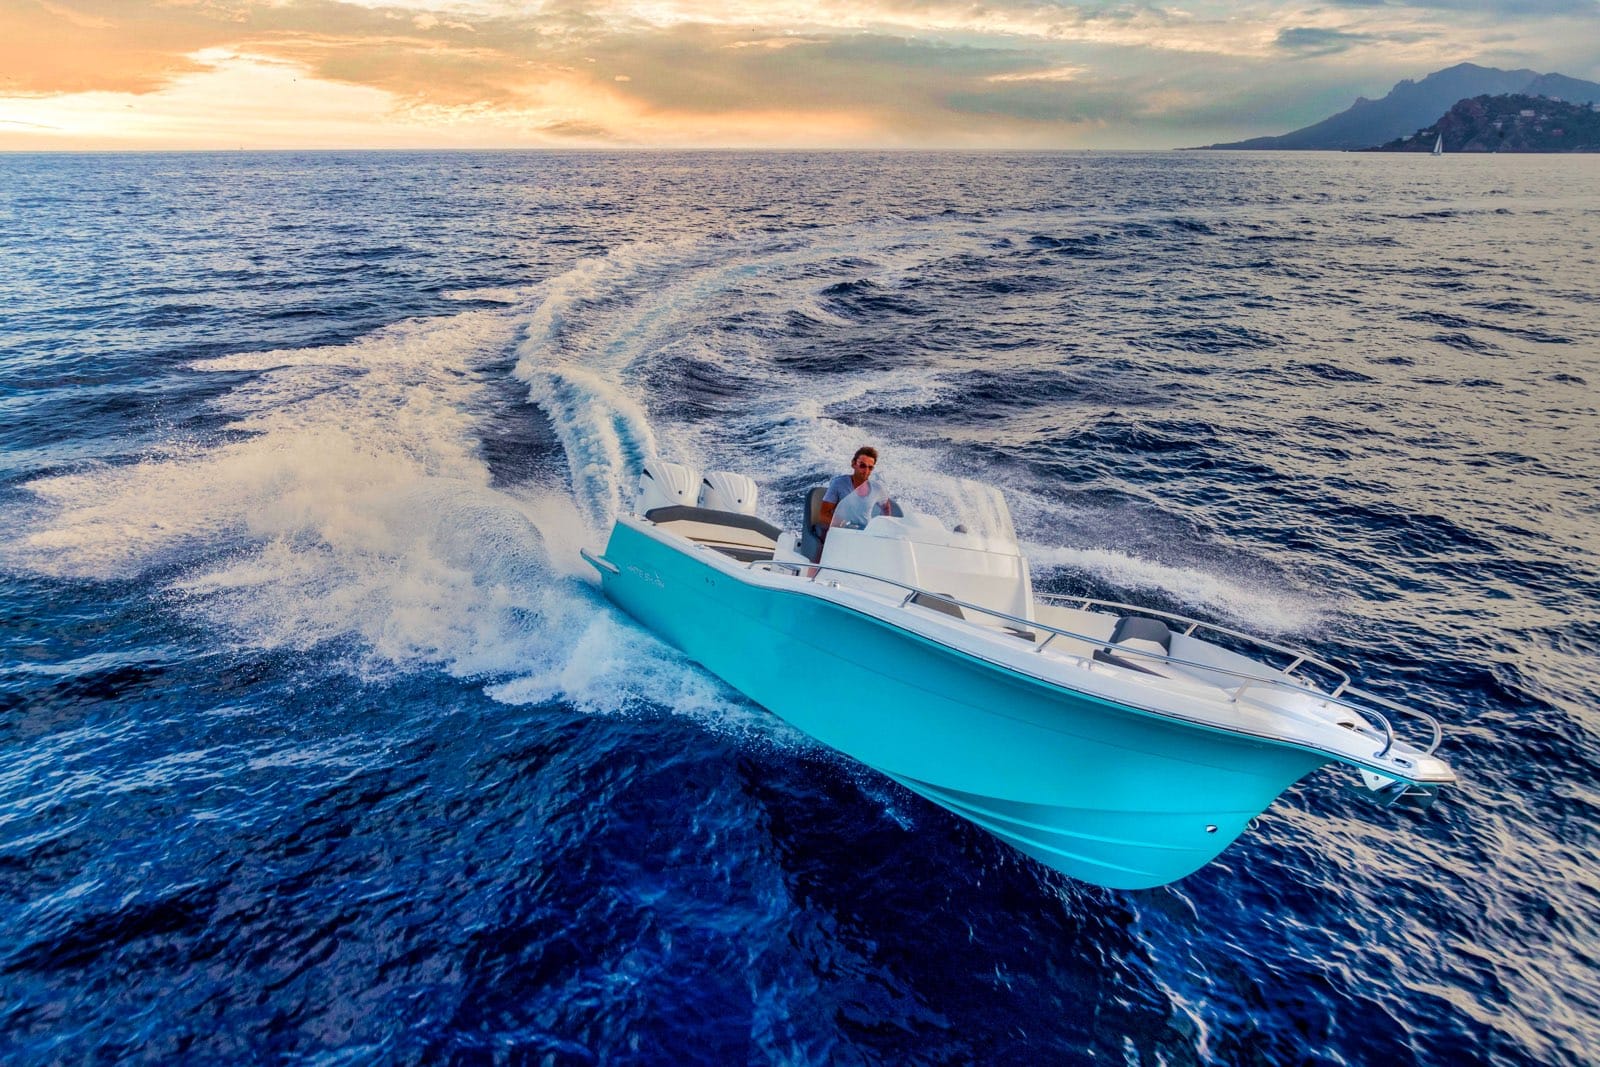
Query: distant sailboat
pixel 1438 145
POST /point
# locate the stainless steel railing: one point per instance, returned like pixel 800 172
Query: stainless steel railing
pixel 1300 656
pixel 1367 708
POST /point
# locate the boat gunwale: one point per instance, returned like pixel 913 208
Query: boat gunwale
pixel 1408 770
pixel 1250 681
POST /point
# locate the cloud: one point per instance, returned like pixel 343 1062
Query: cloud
pixel 691 68
pixel 1054 74
pixel 1025 72
pixel 578 131
pixel 1312 41
pixel 55 48
pixel 775 42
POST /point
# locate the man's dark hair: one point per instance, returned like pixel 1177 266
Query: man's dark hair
pixel 865 450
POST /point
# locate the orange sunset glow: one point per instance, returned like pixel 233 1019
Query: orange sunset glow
pixel 210 74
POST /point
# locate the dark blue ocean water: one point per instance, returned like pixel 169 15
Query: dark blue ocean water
pixel 317 744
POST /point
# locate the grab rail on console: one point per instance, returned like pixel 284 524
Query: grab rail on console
pixel 1301 657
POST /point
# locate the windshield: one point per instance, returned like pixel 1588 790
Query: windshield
pixel 977 507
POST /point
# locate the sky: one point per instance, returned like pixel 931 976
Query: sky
pixel 797 74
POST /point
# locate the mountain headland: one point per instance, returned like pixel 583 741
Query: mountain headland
pixel 1414 105
pixel 1513 123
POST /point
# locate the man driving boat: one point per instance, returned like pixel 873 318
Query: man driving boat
pixel 854 498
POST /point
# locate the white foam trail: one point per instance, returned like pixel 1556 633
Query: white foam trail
pixel 599 420
pixel 356 511
pixel 357 518
pixel 437 571
pixel 493 293
pixel 332 430
pixel 595 342
pixel 603 430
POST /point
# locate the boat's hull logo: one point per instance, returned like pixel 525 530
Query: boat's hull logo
pixel 648 577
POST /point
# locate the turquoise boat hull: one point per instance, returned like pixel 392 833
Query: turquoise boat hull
pixel 1100 791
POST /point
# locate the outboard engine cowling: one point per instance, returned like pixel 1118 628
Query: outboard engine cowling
pixel 727 491
pixel 665 485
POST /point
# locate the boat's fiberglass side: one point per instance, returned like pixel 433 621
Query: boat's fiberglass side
pixel 1100 792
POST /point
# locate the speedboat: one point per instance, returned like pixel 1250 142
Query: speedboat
pixel 1122 746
